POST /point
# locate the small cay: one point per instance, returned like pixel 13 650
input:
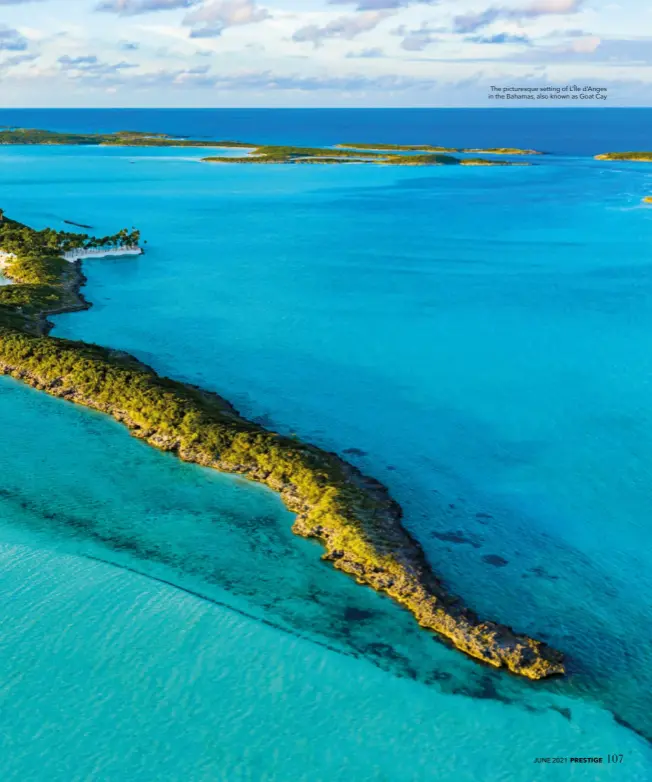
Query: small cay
pixel 432 148
pixel 634 157
pixel 352 515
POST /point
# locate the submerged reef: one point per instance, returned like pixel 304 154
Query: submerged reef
pixel 352 515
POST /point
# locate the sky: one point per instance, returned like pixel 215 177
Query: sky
pixel 312 53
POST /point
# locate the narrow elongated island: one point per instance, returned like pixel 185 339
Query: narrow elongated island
pixel 432 148
pixel 352 515
pixel 633 157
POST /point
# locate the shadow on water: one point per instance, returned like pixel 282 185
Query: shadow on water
pixel 253 565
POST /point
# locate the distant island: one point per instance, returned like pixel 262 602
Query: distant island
pixel 387 154
pixel 647 200
pixel 121 138
pixel 636 157
pixel 431 148
pixel 318 155
pixel 351 514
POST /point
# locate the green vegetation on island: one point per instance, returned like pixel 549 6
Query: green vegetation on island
pixel 303 155
pixel 291 154
pixel 502 151
pixel 431 148
pixel 397 147
pixel 122 138
pixel 384 154
pixel 481 161
pixel 352 515
pixel 635 157
pixel 48 283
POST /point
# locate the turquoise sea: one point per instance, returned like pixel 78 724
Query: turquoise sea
pixel 476 338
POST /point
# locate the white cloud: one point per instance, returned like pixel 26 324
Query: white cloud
pixel 586 45
pixel 300 51
pixel 211 19
pixel 11 40
pixel 135 7
pixel 346 27
pixel 470 22
pixel 380 5
pixel 418 39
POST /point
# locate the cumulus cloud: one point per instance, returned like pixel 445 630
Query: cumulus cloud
pixel 381 5
pixel 11 40
pixel 90 64
pixel 346 27
pixel 470 23
pixel 134 7
pixel 211 19
pixel 539 7
pixel 417 40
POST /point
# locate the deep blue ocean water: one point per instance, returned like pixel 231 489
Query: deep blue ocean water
pixel 478 336
pixel 586 131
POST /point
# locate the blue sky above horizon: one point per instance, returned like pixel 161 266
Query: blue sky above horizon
pixel 348 53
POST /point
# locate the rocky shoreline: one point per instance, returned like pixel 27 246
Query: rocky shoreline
pixel 352 515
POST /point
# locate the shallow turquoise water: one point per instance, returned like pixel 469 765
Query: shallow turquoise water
pixel 111 673
pixel 479 336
